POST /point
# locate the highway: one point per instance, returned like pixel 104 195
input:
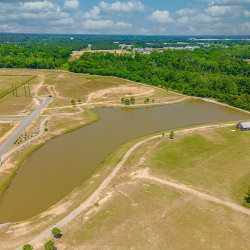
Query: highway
pixel 25 123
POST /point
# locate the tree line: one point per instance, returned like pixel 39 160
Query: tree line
pixel 29 56
pixel 218 72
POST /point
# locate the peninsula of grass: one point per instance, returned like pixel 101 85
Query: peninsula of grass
pixel 90 117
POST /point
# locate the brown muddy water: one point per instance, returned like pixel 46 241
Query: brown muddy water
pixel 63 163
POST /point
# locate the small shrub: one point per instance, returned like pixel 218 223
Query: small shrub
pixel 27 247
pixel 46 129
pixel 171 135
pixel 56 232
pixel 97 204
pixel 127 102
pixel 49 245
pixel 246 202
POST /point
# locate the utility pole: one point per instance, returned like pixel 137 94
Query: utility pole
pixel 13 89
pixel 25 89
pixel 16 89
pixel 29 88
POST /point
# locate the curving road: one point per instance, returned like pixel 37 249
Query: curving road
pixel 92 199
pixel 25 123
pixel 41 131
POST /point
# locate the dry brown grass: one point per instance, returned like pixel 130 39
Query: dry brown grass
pixel 143 214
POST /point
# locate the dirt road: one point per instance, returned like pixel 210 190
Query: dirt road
pixel 92 199
pixel 143 174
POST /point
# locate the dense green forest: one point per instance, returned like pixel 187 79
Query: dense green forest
pixel 28 56
pixel 214 73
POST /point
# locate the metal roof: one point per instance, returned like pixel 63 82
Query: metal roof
pixel 245 124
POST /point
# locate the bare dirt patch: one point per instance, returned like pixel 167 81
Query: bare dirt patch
pixel 76 54
pixel 118 92
pixel 6 132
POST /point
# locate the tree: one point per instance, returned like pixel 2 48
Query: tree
pixel 49 245
pixel 79 101
pixel 127 102
pixel 153 101
pixel 122 100
pixel 73 102
pixel 246 202
pixel 132 99
pixel 171 135
pixel 147 100
pixel 27 247
pixel 56 232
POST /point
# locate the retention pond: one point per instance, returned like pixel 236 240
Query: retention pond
pixel 63 163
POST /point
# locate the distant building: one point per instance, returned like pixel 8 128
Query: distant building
pixel 122 46
pixel 243 126
pixel 143 50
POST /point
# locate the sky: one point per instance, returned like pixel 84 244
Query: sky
pixel 145 17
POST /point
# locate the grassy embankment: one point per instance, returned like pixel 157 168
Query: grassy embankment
pixel 11 105
pixel 65 87
pixel 4 128
pixel 139 208
pixel 142 213
pixel 6 82
pixel 61 123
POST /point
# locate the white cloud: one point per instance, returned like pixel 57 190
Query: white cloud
pixel 105 25
pixel 71 6
pixel 20 7
pixel 183 20
pixel 246 13
pixel 94 13
pixel 227 2
pixel 220 11
pixel 104 10
pixel 160 17
pixel 122 7
pixel 124 25
pixel 187 12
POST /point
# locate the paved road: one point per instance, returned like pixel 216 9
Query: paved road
pixel 41 131
pixel 25 123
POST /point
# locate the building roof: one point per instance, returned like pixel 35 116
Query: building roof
pixel 245 124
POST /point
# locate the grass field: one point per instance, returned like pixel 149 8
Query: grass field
pixel 6 82
pixel 217 162
pixel 10 105
pixel 65 87
pixel 4 127
pixel 136 213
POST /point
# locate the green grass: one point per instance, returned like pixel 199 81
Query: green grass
pixel 6 82
pixel 214 160
pixel 4 128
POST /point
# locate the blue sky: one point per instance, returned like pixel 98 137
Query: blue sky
pixel 154 17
